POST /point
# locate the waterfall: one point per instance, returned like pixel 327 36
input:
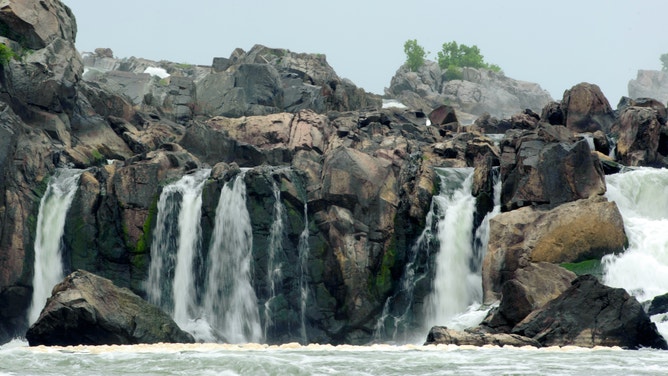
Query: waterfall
pixel 48 238
pixel 455 286
pixel 275 248
pixel 642 198
pixel 457 282
pixel 230 303
pixel 176 239
pixel 304 251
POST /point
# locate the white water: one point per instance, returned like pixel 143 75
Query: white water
pixel 230 303
pixel 50 228
pixel 291 359
pixel 174 248
pixel 275 247
pixel 304 251
pixel 455 285
pixel 642 198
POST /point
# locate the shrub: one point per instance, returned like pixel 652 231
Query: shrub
pixel 453 55
pixel 664 62
pixel 6 54
pixel 415 55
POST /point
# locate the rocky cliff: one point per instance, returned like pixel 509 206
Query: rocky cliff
pixel 355 181
pixel 649 84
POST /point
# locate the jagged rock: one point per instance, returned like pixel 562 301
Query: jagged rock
pixel 571 232
pixel 641 140
pixel 553 114
pixel 440 335
pixel 590 314
pixel 586 109
pixel 37 26
pixel 658 305
pixel 650 84
pixel 86 309
pixel 544 167
pixel 531 287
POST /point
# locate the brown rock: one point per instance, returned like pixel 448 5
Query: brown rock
pixel 639 135
pixel 586 109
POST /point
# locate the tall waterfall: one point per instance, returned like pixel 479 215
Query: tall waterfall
pixel 50 228
pixel 304 251
pixel 176 239
pixel 275 247
pixel 457 283
pixel 230 303
pixel 642 198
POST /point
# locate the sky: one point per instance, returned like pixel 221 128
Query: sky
pixel 555 44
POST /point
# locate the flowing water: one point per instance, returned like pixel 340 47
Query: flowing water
pixel 292 359
pixel 304 252
pixel 276 234
pixel 230 303
pixel 49 233
pixel 176 240
pixel 642 198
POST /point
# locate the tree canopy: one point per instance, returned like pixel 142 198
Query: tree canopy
pixel 415 54
pixel 664 62
pixel 453 57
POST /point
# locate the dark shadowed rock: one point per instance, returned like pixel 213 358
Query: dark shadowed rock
pixel 586 109
pixel 442 115
pixel 659 305
pixel 440 335
pixel 590 314
pixel 640 137
pixel 89 310
pixel 553 114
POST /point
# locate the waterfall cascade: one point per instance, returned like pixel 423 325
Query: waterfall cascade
pixel 457 282
pixel 276 234
pixel 642 198
pixel 304 251
pixel 50 228
pixel 230 303
pixel 176 240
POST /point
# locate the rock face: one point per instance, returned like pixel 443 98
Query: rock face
pixel 586 109
pixel 649 84
pixel 479 91
pixel 88 310
pixel 590 314
pixel 642 136
pixel 440 335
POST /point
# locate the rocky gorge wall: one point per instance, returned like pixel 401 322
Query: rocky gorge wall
pixel 365 175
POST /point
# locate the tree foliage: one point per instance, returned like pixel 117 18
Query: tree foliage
pixel 415 54
pixel 455 56
pixel 6 54
pixel 664 62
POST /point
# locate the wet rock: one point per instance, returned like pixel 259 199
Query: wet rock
pixel 86 309
pixel 658 305
pixel 440 335
pixel 590 314
pixel 586 109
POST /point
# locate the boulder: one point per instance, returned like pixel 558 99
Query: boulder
pixel 442 115
pixel 640 133
pixel 86 309
pixel 572 232
pixel 586 109
pixel 37 26
pixel 531 287
pixel 658 305
pixel 546 167
pixel 441 335
pixel 590 314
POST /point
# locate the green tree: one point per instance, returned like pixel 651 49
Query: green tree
pixel 664 61
pixel 453 57
pixel 415 54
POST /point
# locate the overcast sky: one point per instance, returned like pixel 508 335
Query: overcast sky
pixel 556 44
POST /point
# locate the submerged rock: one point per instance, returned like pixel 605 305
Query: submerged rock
pixel 591 314
pixel 89 310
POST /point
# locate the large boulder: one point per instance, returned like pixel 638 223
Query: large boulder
pixel 570 233
pixel 641 137
pixel 586 109
pixel 547 166
pixel 591 314
pixel 86 309
pixel 441 335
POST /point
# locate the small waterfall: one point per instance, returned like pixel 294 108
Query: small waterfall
pixel 304 251
pixel 642 198
pixel 276 234
pixel 50 228
pixel 455 286
pixel 230 303
pixel 457 283
pixel 176 239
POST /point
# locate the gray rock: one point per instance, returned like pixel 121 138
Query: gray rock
pixel 440 335
pixel 86 309
pixel 649 84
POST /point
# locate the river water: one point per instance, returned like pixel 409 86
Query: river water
pixel 292 359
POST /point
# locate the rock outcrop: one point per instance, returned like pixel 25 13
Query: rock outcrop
pixel 649 84
pixel 479 91
pixel 88 310
pixel 590 314
pixel 440 335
